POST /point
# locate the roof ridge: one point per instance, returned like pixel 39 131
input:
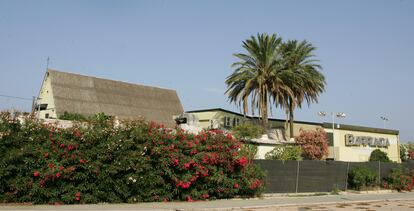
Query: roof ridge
pixel 95 77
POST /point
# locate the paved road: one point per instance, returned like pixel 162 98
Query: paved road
pixel 397 201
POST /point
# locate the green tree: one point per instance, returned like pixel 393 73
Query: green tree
pixel 257 75
pixel 378 155
pixel 302 75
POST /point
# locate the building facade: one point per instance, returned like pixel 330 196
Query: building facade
pixel 346 142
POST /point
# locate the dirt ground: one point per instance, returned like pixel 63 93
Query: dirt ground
pixel 365 206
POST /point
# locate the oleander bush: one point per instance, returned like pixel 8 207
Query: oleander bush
pixel 314 143
pixel 399 180
pixel 361 177
pixel 136 161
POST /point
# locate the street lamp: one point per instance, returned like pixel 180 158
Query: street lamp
pixel 333 114
pixel 384 119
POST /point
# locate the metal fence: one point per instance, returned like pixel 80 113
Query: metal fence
pixel 317 176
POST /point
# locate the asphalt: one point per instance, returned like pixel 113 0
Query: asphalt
pixel 269 201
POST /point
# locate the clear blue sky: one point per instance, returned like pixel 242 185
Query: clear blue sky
pixel 366 49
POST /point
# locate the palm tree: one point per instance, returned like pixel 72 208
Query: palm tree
pixel 302 75
pixel 257 75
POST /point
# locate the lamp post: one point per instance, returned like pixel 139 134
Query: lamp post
pixel 333 114
pixel 384 119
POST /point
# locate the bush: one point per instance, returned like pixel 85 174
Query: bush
pixel 362 177
pixel 249 150
pixel 133 162
pixel 378 155
pixel 72 116
pixel 399 181
pixel 285 152
pixel 247 131
pixel 314 144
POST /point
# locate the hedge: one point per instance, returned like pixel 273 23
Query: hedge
pixel 135 161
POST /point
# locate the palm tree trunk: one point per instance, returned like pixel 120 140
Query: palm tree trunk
pixel 264 108
pixel 245 105
pixel 291 118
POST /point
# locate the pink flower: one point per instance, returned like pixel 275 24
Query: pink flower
pixel 82 161
pixel 36 174
pixel 61 168
pixel 236 186
pixel 58 175
pixel 62 145
pixel 46 155
pixel 187 166
pixel 78 196
pixel 51 165
pixel 242 161
pixel 175 162
pixel 71 147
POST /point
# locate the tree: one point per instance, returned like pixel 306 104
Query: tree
pixel 257 75
pixel 301 75
pixel 314 143
pixel 378 155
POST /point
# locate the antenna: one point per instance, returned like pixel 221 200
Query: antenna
pixel 47 63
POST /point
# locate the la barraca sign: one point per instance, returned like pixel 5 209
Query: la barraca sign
pixel 351 140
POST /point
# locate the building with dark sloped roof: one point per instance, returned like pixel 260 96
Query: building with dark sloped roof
pixel 73 93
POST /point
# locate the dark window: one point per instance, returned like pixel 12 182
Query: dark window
pixel 47 115
pixel 330 139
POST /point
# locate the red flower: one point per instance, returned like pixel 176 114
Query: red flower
pixel 71 147
pixel 36 174
pixel 205 196
pixel 78 196
pixel 77 134
pixel 255 184
pixel 82 161
pixel 242 161
pixel 183 184
pixel 62 145
pixel 175 162
pixel 189 199
pixel 51 165
pixel 236 185
pixel 46 155
pixel 61 168
pixel 58 175
pixel 187 166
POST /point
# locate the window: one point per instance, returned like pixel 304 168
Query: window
pixel 47 116
pixel 237 121
pixel 227 121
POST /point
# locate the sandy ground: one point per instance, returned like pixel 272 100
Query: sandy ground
pixel 366 206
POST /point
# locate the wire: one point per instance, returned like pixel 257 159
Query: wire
pixel 15 97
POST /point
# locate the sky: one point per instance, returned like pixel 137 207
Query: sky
pixel 366 49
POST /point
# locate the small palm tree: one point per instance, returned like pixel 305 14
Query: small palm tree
pixel 302 76
pixel 257 75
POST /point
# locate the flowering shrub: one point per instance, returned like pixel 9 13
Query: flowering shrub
pixel 133 162
pixel 314 144
pixel 399 181
pixel 285 152
pixel 407 151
